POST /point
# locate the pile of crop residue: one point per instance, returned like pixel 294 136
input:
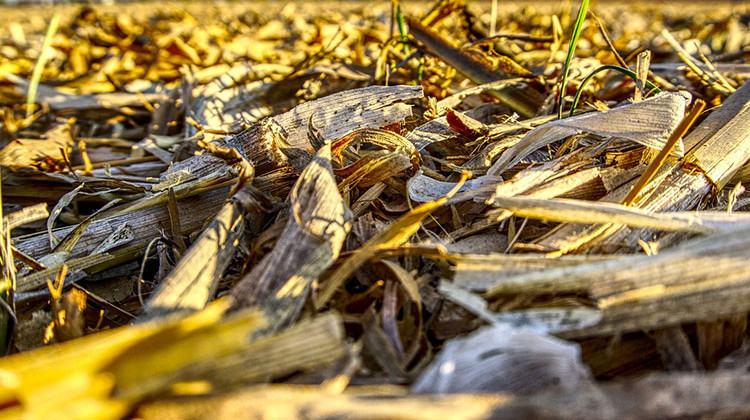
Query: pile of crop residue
pixel 375 210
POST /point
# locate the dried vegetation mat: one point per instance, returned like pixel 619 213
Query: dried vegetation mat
pixel 375 210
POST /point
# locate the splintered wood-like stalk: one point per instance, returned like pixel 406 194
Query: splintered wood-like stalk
pixel 314 233
pixel 679 395
pixel 191 284
pixel 659 160
pixel 477 69
pixel 142 224
pixel 717 149
pixel 582 211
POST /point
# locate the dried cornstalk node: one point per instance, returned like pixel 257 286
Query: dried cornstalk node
pixel 270 143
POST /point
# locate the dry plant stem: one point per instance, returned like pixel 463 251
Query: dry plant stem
pixel 299 401
pixel 145 224
pixel 311 241
pixel 245 358
pixel 682 284
pixel 121 162
pixel 103 352
pixel 25 215
pixel 340 113
pixel 476 69
pixel 704 77
pixel 721 79
pixel 58 101
pixel 717 148
pixel 192 282
pixel 480 273
pixel 714 80
pixel 683 395
pixel 124 365
pixel 29 285
pixel 680 277
pixel 519 37
pixel 582 211
pixel 215 181
pixel 720 145
pixel 659 160
pixel 336 115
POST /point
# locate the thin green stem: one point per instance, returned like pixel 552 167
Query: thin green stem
pixel 571 51
pixel 402 28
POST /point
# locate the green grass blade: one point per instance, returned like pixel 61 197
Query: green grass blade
pixel 571 51
pixel 36 76
pixel 650 86
pixel 402 28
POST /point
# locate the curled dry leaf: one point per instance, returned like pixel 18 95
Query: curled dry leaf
pixel 465 125
pixel 422 188
pixel 384 139
pixel 373 168
pixel 397 155
pixel 648 122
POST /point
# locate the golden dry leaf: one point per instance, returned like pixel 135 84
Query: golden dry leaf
pixel 48 154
